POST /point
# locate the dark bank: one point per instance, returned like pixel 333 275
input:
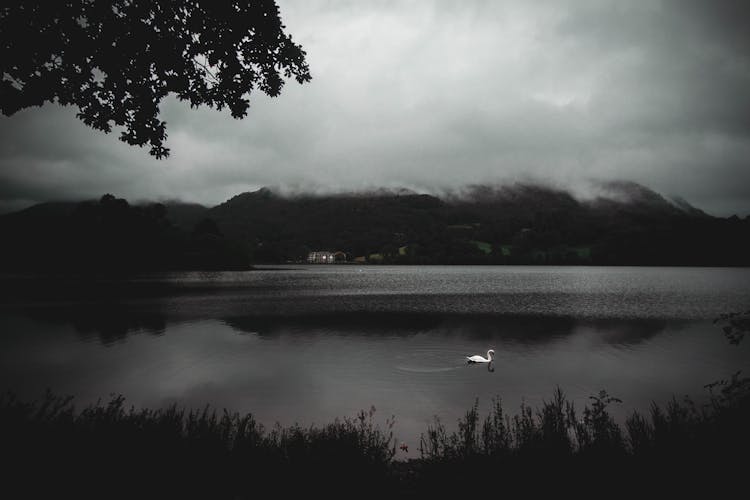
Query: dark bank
pixel 112 450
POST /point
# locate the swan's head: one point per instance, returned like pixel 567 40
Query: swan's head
pixel 490 353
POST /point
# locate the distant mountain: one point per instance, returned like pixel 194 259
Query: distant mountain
pixel 626 223
pixel 185 215
pixel 622 224
pixel 686 207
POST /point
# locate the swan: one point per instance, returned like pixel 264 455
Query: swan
pixel 479 359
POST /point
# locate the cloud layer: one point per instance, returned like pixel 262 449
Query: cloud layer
pixel 434 95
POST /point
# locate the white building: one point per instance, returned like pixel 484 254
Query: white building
pixel 321 258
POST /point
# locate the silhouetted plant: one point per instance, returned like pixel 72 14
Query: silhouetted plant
pixel 640 434
pixel 598 429
pixel 555 423
pixel 525 432
pixel 468 432
pixel 198 453
pixel 496 437
pixel 434 443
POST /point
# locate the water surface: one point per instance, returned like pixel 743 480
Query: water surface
pixel 308 344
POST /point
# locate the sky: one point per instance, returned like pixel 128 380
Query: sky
pixel 435 95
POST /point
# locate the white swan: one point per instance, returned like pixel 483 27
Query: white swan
pixel 479 359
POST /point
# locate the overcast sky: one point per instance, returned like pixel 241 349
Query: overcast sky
pixel 433 95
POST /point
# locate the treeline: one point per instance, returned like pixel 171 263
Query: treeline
pixel 114 236
pixel 109 450
pixel 519 224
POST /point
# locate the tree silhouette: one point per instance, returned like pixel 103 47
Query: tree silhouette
pixel 115 61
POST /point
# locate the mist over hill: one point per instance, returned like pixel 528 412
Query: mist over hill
pixel 622 224
pixel 625 223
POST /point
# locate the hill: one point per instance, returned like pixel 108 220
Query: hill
pixel 110 235
pixel 624 224
pixel 517 224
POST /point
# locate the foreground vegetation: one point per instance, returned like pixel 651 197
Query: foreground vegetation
pixel 555 449
pixel 110 450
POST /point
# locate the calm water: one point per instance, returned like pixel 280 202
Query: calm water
pixel 309 344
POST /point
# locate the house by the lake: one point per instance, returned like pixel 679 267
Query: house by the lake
pixel 325 257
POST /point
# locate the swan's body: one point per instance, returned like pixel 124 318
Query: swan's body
pixel 479 359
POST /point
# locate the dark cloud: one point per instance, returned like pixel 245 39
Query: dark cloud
pixel 434 95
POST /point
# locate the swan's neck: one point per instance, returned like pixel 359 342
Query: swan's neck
pixel 489 355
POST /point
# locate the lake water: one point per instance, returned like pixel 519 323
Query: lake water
pixel 308 344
